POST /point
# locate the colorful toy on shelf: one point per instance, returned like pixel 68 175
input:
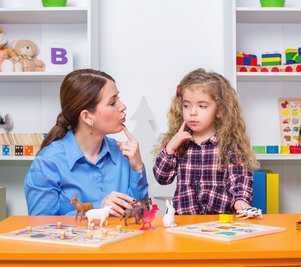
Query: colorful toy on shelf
pixel 81 208
pixel 5 52
pixel 169 217
pixel 6 123
pixel 99 214
pixel 270 59
pixel 272 3
pixel 249 213
pixel 148 217
pixel 270 62
pixel 26 58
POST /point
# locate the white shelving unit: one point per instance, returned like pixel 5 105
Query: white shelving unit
pixel 32 98
pixel 260 30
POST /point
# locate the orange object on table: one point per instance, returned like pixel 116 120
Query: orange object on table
pixel 158 247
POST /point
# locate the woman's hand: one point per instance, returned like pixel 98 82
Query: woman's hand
pixel 119 203
pixel 130 149
pixel 179 138
pixel 240 205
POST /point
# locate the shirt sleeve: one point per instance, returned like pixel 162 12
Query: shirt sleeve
pixel 42 188
pixel 138 184
pixel 241 183
pixel 165 168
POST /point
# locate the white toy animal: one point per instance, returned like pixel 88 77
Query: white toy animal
pixel 169 217
pixel 99 214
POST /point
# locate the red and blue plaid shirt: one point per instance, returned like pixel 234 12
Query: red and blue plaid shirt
pixel 202 187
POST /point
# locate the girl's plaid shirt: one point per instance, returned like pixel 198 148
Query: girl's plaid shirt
pixel 202 188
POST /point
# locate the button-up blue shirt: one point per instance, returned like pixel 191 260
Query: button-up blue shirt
pixel 60 170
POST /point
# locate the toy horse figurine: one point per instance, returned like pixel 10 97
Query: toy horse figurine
pixel 138 210
pixel 81 208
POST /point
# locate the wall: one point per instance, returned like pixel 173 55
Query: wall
pixel 148 46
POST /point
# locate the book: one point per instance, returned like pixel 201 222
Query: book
pixel 272 192
pixel 259 191
pixel 225 231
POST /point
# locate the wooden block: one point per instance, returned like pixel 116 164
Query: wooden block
pixel 5 150
pixel 28 150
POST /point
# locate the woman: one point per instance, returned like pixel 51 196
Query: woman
pixel 77 157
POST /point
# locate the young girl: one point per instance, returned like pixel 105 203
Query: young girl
pixel 206 148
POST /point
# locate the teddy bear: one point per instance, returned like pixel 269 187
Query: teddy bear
pixel 5 53
pixel 25 59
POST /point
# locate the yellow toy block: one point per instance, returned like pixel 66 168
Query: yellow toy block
pixel 225 218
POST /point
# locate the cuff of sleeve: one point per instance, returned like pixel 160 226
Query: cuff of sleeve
pixel 169 156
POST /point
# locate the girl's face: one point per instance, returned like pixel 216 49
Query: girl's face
pixel 199 111
pixel 109 115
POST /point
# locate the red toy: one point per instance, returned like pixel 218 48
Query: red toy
pixel 148 218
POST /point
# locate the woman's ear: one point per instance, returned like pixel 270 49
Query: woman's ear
pixel 85 116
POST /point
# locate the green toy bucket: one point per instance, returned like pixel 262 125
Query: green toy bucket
pixel 272 3
pixel 54 3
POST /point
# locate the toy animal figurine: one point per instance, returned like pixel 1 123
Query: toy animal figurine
pixel 137 212
pixel 6 123
pixel 169 217
pixel 140 206
pixel 81 208
pixel 148 218
pixel 99 214
pixel 249 213
pixel 142 202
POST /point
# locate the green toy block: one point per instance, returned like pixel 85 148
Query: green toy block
pixel 259 149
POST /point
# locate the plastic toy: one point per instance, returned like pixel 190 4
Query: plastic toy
pixel 225 218
pixel 81 208
pixel 140 206
pixel 99 214
pixel 148 218
pixel 169 217
pixel 249 213
pixel 6 123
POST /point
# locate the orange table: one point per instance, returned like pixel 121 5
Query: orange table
pixel 158 247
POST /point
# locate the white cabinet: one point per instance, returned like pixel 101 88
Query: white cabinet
pixel 260 30
pixel 31 98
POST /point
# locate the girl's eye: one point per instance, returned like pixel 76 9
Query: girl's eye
pixel 203 106
pixel 113 103
pixel 185 106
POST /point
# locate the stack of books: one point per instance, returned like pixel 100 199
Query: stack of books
pixel 266 191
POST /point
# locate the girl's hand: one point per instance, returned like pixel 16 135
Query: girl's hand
pixel 240 205
pixel 119 203
pixel 179 138
pixel 130 149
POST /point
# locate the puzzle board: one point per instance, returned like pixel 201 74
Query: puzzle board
pixel 225 231
pixel 290 120
pixel 49 233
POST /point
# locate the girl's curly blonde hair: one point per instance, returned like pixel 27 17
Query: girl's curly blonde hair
pixel 231 130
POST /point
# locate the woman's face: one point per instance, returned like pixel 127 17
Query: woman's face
pixel 109 115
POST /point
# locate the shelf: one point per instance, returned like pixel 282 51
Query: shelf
pixel 278 156
pixel 269 76
pixel 268 15
pixel 49 15
pixel 15 158
pixel 31 77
